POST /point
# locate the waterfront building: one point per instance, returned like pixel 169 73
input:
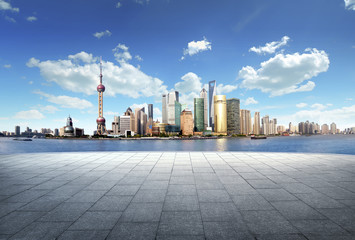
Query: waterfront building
pixel 78 132
pixel 130 113
pixel 325 129
pixel 101 122
pixel 150 115
pixel 220 114
pixel 187 122
pixel 116 125
pixel 140 121
pixel 301 128
pixel 199 118
pixel 177 115
pixel 272 126
pixel 68 129
pixel 172 97
pixel 56 132
pixel 125 124
pixel 233 116
pixel 265 125
pixel 164 109
pixel 61 131
pixel 245 122
pixel 17 131
pixel 211 93
pixel 281 129
pixel 256 128
pixel 203 94
pixel 307 127
pixel 333 128
pixel 158 128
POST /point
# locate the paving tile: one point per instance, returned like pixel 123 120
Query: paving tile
pixel 226 230
pixel 42 230
pixel 180 223
pixel 319 200
pixel 96 221
pixel 342 216
pixel 276 195
pixel 262 183
pixel 66 211
pixel 142 212
pixel 251 202
pixel 45 203
pixel 240 189
pixel 112 203
pixel 16 221
pixel 155 185
pixel 124 190
pixel 322 227
pixel 182 190
pixel 149 195
pixel 84 235
pixel 219 212
pixel 293 210
pixel 6 208
pixel 213 196
pixel 134 231
pixel 181 203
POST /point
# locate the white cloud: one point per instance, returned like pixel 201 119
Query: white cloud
pixel 10 19
pixel 7 66
pixel 142 2
pixel 30 82
pixel 223 89
pixel 30 114
pixel 284 74
pixel 156 113
pixel 270 47
pixel 121 53
pixel 195 47
pixel 66 101
pixel 344 117
pixel 4 118
pixel 118 5
pixel 7 6
pixel 301 105
pixel 79 73
pixel 250 101
pixel 349 99
pixel 139 58
pixel 99 35
pixel 191 83
pixel 31 18
pixel 49 109
pixel 350 4
pixel 110 113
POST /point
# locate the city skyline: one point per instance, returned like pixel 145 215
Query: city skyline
pixel 54 74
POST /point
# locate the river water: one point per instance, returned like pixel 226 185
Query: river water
pixel 313 144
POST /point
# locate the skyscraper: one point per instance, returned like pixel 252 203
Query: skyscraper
pixel 116 125
pixel 17 131
pixel 177 115
pixel 140 121
pixel 256 129
pixel 220 114
pixel 199 118
pixel 245 122
pixel 203 94
pixel 211 94
pixel 164 109
pixel 333 128
pixel 101 126
pixel 325 129
pixel 233 118
pixel 265 122
pixel 172 97
pixel 150 114
pixel 187 123
pixel 132 119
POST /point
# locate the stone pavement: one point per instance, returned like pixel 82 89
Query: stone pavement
pixel 177 195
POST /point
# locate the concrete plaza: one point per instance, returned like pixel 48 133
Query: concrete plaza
pixel 177 195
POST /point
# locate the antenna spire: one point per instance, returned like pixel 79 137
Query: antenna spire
pixel 101 70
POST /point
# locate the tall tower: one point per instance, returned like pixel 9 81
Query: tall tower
pixel 101 127
pixel 220 114
pixel 203 94
pixel 211 94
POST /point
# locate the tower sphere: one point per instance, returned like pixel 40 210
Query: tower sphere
pixel 100 120
pixel 101 88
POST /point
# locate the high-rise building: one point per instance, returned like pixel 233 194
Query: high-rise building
pixel 68 129
pixel 150 115
pixel 325 129
pixel 17 131
pixel 132 126
pixel 125 124
pixel 140 121
pixel 116 125
pixel 187 122
pixel 265 128
pixel 302 128
pixel 177 115
pixel 256 129
pixel 203 94
pixel 333 128
pixel 220 114
pixel 56 132
pixel 273 126
pixel 233 116
pixel 172 97
pixel 101 126
pixel 199 118
pixel 164 111
pixel 211 93
pixel 245 122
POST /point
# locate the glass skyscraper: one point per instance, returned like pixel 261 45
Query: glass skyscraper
pixel 211 94
pixel 220 114
pixel 199 118
pixel 233 118
pixel 177 114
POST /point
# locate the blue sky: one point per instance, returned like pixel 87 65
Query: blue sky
pixel 290 60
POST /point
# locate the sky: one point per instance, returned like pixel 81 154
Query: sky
pixel 291 60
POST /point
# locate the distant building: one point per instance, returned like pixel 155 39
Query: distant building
pixel 281 129
pixel 265 128
pixel 204 95
pixel 78 132
pixel 256 128
pixel 273 126
pixel 68 129
pixel 211 93
pixel 199 118
pixel 220 114
pixel 17 131
pixel 164 101
pixel 245 122
pixel 56 132
pixel 177 115
pixel 141 121
pixel 132 125
pixel 150 115
pixel 233 116
pixel 333 128
pixel 187 122
pixel 125 124
pixel 325 129
pixel 172 97
pixel 116 125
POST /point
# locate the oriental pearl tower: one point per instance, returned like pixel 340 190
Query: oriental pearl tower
pixel 101 127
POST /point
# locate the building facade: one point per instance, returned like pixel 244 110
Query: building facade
pixel 233 116
pixel 17 131
pixel 256 127
pixel 220 114
pixel 265 125
pixel 333 128
pixel 199 118
pixel 187 122
pixel 150 115
pixel 116 125
pixel 245 122
pixel 172 97
pixel 177 115
pixel 164 109
pixel 204 95
pixel 125 124
pixel 211 93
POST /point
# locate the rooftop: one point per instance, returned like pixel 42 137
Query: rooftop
pixel 177 195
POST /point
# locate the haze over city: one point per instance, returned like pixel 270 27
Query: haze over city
pixel 291 61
